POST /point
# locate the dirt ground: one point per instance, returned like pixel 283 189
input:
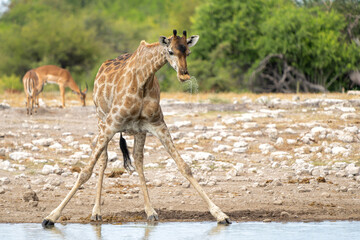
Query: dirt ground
pixel 262 191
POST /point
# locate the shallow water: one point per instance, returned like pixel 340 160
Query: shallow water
pixel 185 230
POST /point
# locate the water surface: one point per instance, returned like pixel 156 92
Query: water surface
pixel 185 230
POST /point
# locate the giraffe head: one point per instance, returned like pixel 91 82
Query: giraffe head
pixel 176 50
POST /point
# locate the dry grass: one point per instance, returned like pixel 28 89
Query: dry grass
pixel 50 98
pixel 238 96
pixel 18 99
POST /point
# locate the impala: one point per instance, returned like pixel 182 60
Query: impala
pixel 32 88
pixel 62 77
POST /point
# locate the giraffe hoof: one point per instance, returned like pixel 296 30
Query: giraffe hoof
pixel 47 223
pixel 96 218
pixel 226 221
pixel 153 217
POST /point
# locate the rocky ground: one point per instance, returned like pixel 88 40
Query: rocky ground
pixel 259 158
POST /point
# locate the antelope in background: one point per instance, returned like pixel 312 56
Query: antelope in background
pixel 32 88
pixel 62 77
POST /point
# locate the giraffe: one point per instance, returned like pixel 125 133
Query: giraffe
pixel 127 99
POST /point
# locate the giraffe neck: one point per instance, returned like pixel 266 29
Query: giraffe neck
pixel 148 59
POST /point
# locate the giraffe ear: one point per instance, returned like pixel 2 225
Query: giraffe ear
pixel 164 41
pixel 192 40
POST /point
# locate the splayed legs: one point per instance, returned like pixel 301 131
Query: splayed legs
pixel 164 136
pixel 84 176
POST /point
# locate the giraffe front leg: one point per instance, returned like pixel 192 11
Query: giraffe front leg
pixel 84 176
pixel 139 142
pixel 164 136
pixel 96 212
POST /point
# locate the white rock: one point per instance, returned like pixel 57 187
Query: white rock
pixel 56 146
pixel 222 148
pixel 4 180
pixel 257 133
pixel 265 148
pixel 275 165
pixel 68 139
pixel 180 124
pixel 48 187
pixel 248 125
pixel 325 194
pixel 203 156
pixel 70 161
pixel 340 173
pixel 55 182
pixel 218 126
pixel 340 165
pixel 347 116
pixel 78 155
pixel 302 189
pixel 347 109
pixel 318 130
pixel 263 100
pixel 353 129
pixel 289 131
pixel 5 165
pixel 151 165
pixel 35 149
pixel 47 169
pixel 116 164
pixel 272 132
pixel 217 138
pixel 240 150
pixel 291 141
pixel 19 155
pixel 232 173
pixel 346 138
pixel 240 144
pixel 339 150
pixel 229 121
pixel 28 145
pixel 352 169
pixel 252 170
pixel 279 141
pixel 85 148
pixel 200 127
pixel 45 142
pixel 157 183
pixel 239 167
pixel 280 156
pixel 112 156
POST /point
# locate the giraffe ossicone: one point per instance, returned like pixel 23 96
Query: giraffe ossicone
pixel 127 99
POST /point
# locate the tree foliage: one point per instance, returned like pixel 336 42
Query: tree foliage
pixel 317 39
pixel 238 35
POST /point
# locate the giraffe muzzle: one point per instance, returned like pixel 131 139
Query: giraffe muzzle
pixel 184 75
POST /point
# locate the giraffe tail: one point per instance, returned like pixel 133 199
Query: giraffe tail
pixel 126 155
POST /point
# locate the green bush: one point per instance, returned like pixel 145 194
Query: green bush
pixel 10 83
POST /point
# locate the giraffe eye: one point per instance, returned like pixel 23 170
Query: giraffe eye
pixel 171 52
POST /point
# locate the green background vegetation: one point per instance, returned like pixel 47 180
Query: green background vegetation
pixel 234 37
